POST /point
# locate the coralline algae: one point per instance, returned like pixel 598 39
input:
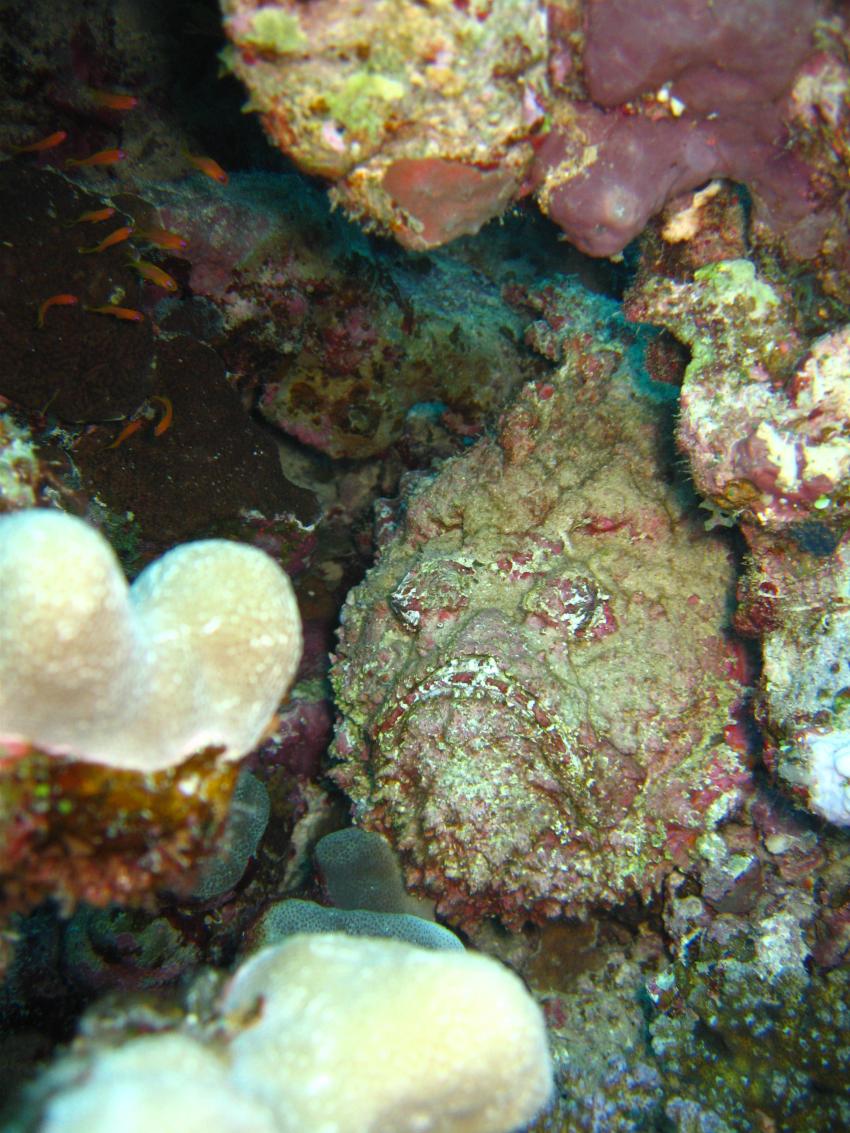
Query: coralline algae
pixel 763 422
pixel 762 418
pixel 535 678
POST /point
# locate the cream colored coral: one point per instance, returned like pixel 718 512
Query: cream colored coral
pixel 155 1084
pixel 338 1034
pixel 328 1034
pixel 198 652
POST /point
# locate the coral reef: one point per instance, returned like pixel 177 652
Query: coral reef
pixel 339 341
pixel 497 724
pixel 78 831
pixel 698 110
pixel 421 113
pixel 761 418
pixel 430 121
pixel 593 712
pixel 744 988
pixel 592 990
pixel 121 708
pixel 763 421
pixel 673 1026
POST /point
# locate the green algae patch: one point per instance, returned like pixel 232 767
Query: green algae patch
pixel 276 32
pixel 731 281
pixel 362 102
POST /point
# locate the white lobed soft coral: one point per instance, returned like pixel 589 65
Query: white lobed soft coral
pixel 328 1034
pixel 197 653
pixel 345 1035
pixel 167 1083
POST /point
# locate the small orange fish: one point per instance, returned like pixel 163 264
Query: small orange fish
pixel 167 418
pixel 116 237
pixel 127 313
pixel 102 157
pixel 127 431
pixel 162 237
pixel 154 274
pixel 50 142
pixel 93 216
pixel 61 300
pixel 113 99
pixel 207 165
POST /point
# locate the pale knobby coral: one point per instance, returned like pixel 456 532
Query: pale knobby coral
pixel 196 654
pixel 329 1034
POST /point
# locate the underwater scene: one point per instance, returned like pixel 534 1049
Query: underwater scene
pixel 424 566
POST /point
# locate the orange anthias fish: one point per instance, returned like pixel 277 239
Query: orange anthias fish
pixel 209 166
pixel 93 216
pixel 128 313
pixel 61 300
pixel 127 431
pixel 154 274
pixel 50 142
pixel 167 417
pixel 102 157
pixel 162 238
pixel 113 99
pixel 116 237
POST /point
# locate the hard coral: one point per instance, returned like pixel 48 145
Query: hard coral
pixel 329 1032
pixel 804 696
pixel 196 655
pixel 744 986
pixel 432 119
pixel 764 423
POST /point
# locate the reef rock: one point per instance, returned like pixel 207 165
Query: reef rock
pixel 762 420
pixel 764 423
pixel 421 113
pixel 535 679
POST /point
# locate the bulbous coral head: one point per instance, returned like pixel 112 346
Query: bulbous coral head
pixel 197 653
pixel 326 1032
